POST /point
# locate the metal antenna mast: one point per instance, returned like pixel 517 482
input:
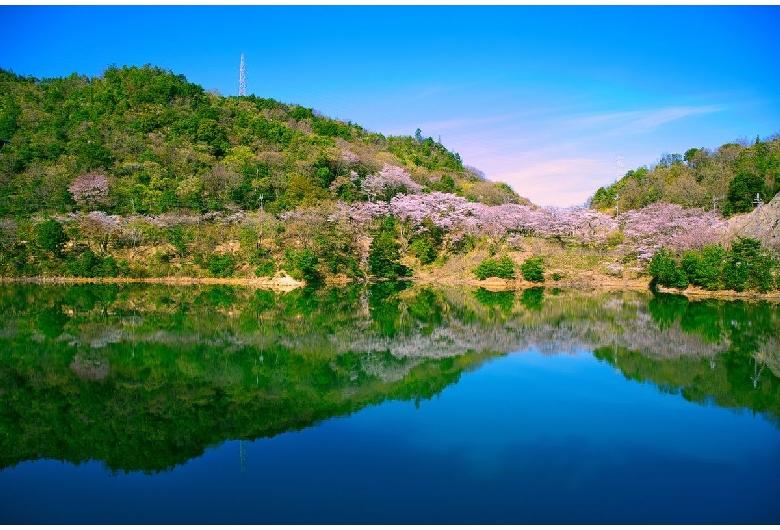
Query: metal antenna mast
pixel 618 167
pixel 242 77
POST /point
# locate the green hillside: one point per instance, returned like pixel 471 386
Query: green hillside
pixel 727 178
pixel 139 173
pixel 165 144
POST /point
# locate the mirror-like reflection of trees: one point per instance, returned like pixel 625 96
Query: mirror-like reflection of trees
pixel 741 372
pixel 147 377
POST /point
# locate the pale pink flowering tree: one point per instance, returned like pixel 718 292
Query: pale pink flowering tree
pixel 594 227
pixel 101 226
pixel 90 189
pixel 9 230
pixel 390 181
pixel 671 226
pixel 171 219
pixel 582 225
pixel 644 230
pixel 350 158
pixel 445 210
pixel 303 224
pixel 365 212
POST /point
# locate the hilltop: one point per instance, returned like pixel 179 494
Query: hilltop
pixel 165 145
pixel 726 179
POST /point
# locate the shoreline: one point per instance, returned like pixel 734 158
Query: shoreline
pixel 283 283
pixel 286 284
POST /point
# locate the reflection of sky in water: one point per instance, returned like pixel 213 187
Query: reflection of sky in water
pixel 523 439
pixel 527 407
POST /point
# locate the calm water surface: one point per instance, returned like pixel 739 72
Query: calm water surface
pixel 389 405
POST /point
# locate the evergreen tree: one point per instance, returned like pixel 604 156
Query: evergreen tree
pixel 51 236
pixel 665 270
pixel 748 266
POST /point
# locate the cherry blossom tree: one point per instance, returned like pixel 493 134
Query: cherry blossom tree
pixel 350 158
pixel 89 190
pixel 644 230
pixel 303 224
pixel 390 181
pixel 672 226
pixel 101 226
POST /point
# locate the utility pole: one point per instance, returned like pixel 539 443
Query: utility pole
pixel 617 205
pixel 242 456
pixel 714 200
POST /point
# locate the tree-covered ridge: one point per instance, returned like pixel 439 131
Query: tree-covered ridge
pixel 165 144
pixel 146 173
pixel 147 377
pixel 727 179
pixel 139 173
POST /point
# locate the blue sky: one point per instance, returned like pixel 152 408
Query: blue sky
pixel 544 98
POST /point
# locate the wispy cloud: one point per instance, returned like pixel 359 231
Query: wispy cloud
pixel 429 91
pixel 640 121
pixel 465 123
pixel 652 119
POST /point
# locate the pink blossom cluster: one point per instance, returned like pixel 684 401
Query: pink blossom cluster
pixel 235 217
pixel 456 214
pixel 587 226
pixel 671 226
pixel 167 220
pixel 305 215
pixel 103 222
pixel 349 157
pixel 89 189
pixel 390 181
pixel 445 210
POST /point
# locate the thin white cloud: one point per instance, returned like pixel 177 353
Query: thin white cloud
pixel 461 123
pixel 473 126
pixel 428 92
pixel 659 117
pixel 639 121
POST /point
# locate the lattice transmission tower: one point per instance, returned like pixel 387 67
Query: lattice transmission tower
pixel 242 77
pixel 618 176
pixel 618 167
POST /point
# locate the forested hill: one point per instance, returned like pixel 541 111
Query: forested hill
pixel 727 178
pixel 139 173
pixel 165 144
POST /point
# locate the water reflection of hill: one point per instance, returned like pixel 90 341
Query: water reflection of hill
pixel 147 377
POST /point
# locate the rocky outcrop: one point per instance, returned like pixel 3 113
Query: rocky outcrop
pixel 763 224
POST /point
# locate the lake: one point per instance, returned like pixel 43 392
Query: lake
pixel 390 403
